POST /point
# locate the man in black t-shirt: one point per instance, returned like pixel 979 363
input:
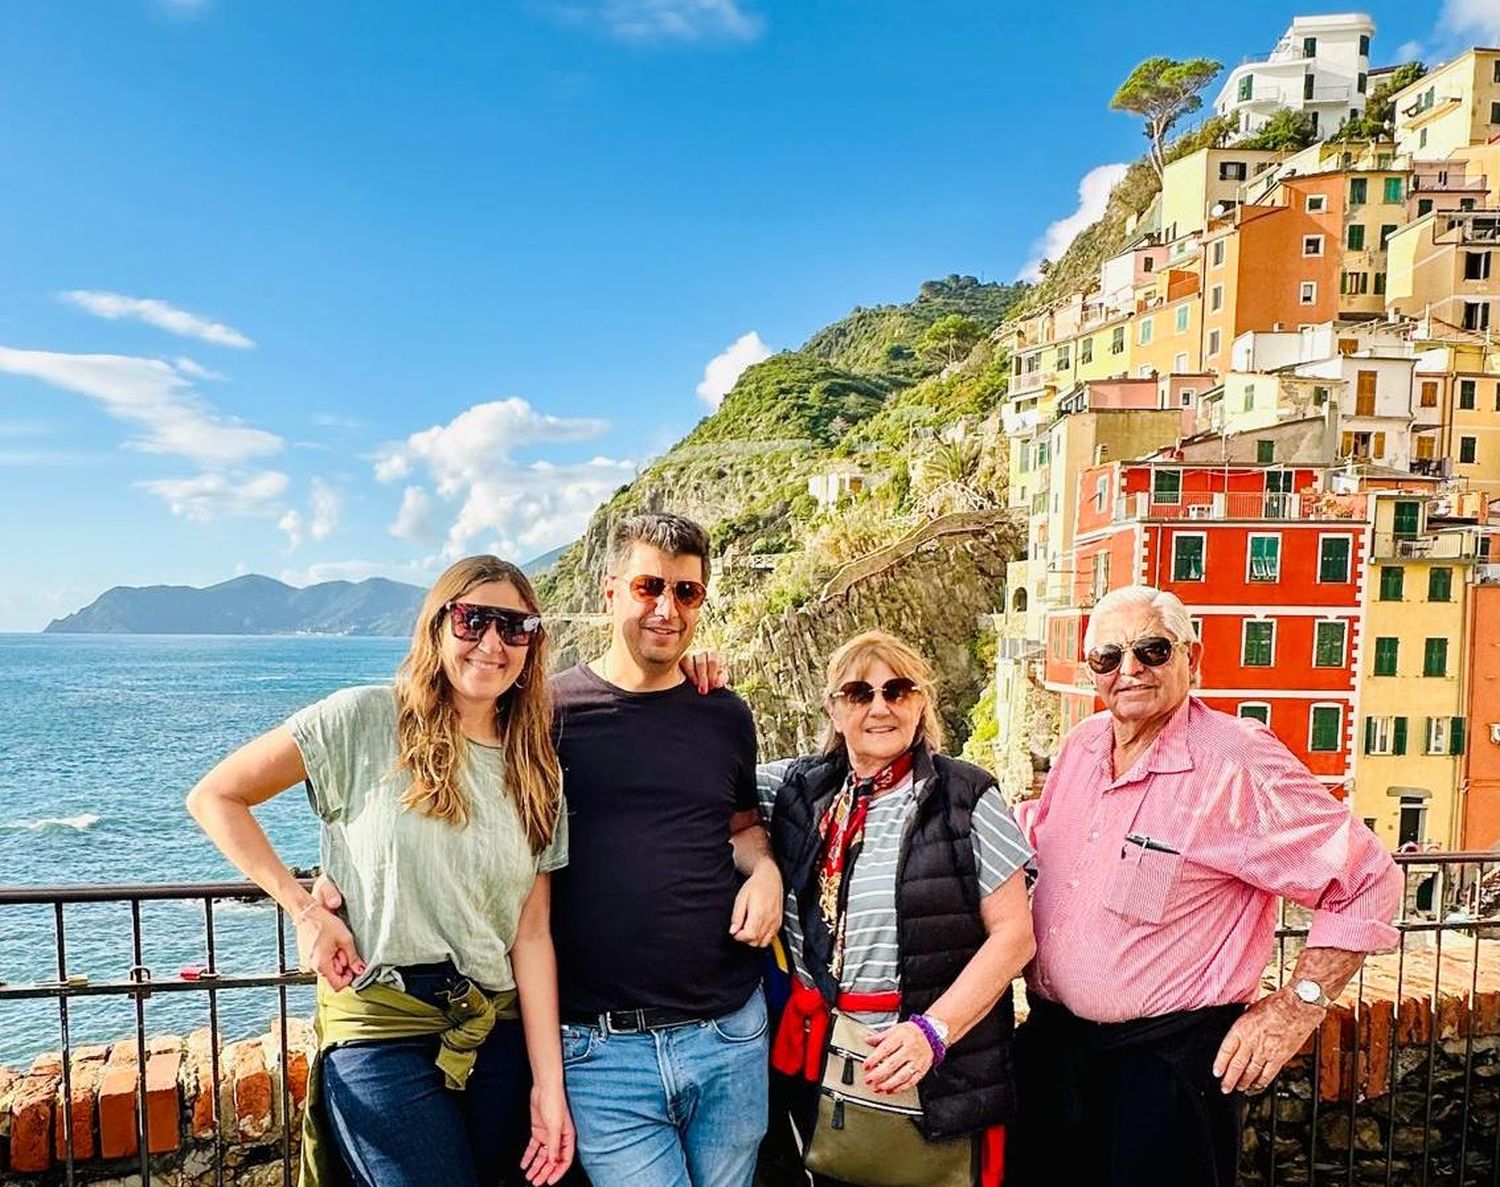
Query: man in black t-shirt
pixel 669 888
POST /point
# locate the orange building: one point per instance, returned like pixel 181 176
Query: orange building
pixel 1481 775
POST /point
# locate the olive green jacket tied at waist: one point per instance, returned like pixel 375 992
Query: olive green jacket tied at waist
pixel 380 1012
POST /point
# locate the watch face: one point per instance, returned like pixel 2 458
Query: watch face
pixel 1308 991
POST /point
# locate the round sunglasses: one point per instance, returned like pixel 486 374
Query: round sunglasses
pixel 470 621
pixel 862 692
pixel 1152 652
pixel 648 588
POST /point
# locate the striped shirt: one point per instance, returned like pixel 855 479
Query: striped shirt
pixel 871 953
pixel 1126 930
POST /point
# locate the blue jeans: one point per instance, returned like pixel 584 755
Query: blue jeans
pixel 397 1125
pixel 683 1106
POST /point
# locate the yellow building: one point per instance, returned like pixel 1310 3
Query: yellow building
pixel 1446 268
pixel 1413 673
pixel 1457 407
pixel 1194 185
pixel 1454 106
pixel 1168 328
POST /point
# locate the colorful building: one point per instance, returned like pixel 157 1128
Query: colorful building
pixel 1452 107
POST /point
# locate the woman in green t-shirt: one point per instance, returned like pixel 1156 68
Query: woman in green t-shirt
pixel 441 818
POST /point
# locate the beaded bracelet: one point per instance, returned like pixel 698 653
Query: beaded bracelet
pixel 929 1032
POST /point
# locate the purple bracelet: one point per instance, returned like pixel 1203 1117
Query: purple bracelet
pixel 939 1048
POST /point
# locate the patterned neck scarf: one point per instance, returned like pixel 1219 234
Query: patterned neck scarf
pixel 842 831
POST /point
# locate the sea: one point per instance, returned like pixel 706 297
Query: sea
pixel 101 736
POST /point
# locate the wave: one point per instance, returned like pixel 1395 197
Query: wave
pixel 84 822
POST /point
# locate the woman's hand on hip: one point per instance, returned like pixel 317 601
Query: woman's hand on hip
pixel 326 946
pixel 550 1151
pixel 901 1057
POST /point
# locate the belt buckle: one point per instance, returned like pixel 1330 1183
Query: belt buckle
pixel 625 1022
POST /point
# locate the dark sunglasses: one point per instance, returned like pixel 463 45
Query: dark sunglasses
pixel 862 692
pixel 1152 651
pixel 687 594
pixel 470 621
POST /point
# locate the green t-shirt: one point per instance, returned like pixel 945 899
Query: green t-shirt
pixel 416 890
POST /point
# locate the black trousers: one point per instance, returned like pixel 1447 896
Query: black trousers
pixel 1130 1104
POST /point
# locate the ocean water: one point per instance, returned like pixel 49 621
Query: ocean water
pixel 100 739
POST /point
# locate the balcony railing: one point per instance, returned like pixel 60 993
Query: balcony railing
pixel 1220 505
pixel 1431 546
pixel 1446 182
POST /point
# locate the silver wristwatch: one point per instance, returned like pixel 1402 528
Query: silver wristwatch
pixel 1311 992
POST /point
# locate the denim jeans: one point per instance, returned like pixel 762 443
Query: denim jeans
pixel 397 1125
pixel 683 1106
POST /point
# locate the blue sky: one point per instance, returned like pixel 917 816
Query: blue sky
pixel 326 290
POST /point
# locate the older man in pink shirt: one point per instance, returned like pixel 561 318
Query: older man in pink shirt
pixel 1165 835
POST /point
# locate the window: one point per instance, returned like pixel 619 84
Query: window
pixel 1439 735
pixel 1258 648
pixel 1247 88
pixel 1117 340
pixel 1307 85
pixel 1435 657
pixel 1265 558
pixel 1392 578
pixel 1148 264
pixel 1146 330
pixel 1466 394
pixel 1407 519
pixel 1317 203
pixel 1468 449
pixel 1440 585
pixel 1379 735
pixel 1064 357
pixel 1101 492
pixel 1387 652
pixel 1476 265
pixel 1497 69
pixel 1188 393
pixel 1216 254
pixel 1393 194
pixel 1333 559
pixel 1187 556
pixel 1328 644
pixel 1179 363
pixel 1265 452
pixel 1232 171
pixel 1216 298
pixel 1320 396
pixel 1495 113
pixel 1356 239
pixel 1380 284
pixel 1364 45
pixel 1249 405
pixel 1361 84
pixel 1365 384
pixel 1359 191
pixel 1327 728
pixel 1476 315
pixel 1422 143
pixel 1354 284
pixel 1312 245
pixel 1386 231
pixel 1424 205
pixel 1086 351
pixel 1429 393
pixel 1255 711
pixel 1307 292
pixel 1180 325
pixel 1309 48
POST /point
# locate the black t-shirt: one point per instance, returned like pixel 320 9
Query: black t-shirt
pixel 640 915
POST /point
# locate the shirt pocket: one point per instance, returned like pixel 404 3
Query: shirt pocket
pixel 1142 884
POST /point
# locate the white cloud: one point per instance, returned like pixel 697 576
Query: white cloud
pixel 505 505
pixel 1093 193
pixel 666 20
pixel 117 307
pixel 205 497
pixel 416 521
pixel 291 524
pixel 727 366
pixel 153 395
pixel 194 369
pixel 324 506
pixel 1473 22
pixel 1410 51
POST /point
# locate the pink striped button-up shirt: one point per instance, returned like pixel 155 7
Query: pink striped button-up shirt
pixel 1131 931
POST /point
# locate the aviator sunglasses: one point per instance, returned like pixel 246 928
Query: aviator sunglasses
pixel 687 594
pixel 1152 651
pixel 862 692
pixel 470 621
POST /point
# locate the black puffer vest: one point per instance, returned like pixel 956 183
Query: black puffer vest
pixel 938 923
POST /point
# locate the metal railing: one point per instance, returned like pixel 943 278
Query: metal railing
pixel 137 986
pixel 1347 1111
pixel 1214 505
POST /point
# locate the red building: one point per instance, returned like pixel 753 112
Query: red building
pixel 1270 568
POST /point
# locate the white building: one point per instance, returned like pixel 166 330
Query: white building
pixel 1321 66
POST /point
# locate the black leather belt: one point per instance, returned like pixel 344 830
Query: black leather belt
pixel 633 1021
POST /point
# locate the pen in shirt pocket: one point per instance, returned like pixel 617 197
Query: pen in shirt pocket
pixel 1150 843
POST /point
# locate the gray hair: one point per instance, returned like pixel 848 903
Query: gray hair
pixel 676 535
pixel 1168 607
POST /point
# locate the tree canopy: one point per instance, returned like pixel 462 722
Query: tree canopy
pixel 1378 120
pixel 950 338
pixel 1286 131
pixel 1162 91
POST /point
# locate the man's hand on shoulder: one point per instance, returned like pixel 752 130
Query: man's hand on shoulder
pixel 705 670
pixel 757 907
pixel 1263 1038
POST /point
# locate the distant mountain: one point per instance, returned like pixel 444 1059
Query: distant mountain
pixel 540 564
pixel 250 605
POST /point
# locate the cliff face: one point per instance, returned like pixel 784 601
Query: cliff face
pixel 931 597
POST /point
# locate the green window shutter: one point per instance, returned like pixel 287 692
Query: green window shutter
pixel 1392 578
pixel 1435 658
pixel 1356 236
pixel 1456 736
pixel 1439 585
pixel 1333 559
pixel 1398 736
pixel 1369 735
pixel 1387 649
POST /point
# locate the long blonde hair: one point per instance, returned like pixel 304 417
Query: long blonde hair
pixel 427 727
pixel 857 655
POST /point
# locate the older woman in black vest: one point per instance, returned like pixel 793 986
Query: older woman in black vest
pixel 906 922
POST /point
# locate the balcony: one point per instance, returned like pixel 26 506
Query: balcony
pixel 1436 546
pixel 1444 181
pixel 1251 505
pixel 1019 423
pixel 1432 467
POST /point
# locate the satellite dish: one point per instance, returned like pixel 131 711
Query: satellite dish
pixel 1219 210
